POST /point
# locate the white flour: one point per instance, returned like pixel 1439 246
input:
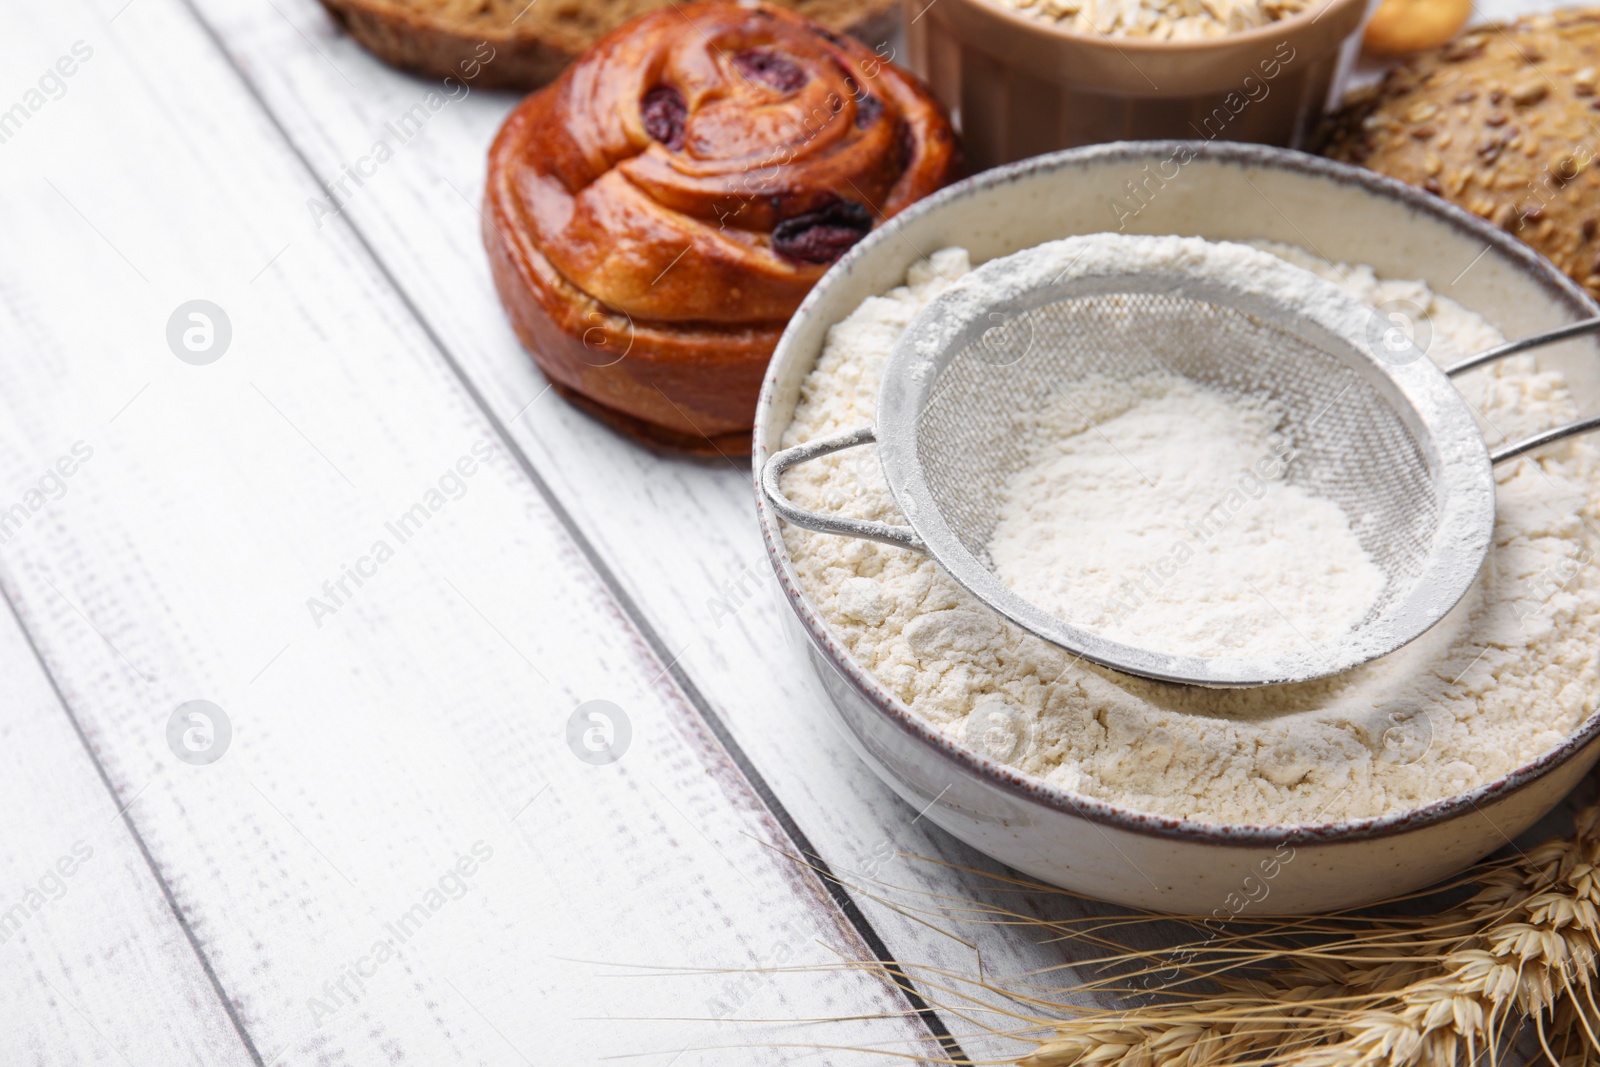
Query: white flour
pixel 1156 513
pixel 1503 678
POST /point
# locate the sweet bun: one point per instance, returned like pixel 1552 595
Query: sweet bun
pixel 1501 121
pixel 655 217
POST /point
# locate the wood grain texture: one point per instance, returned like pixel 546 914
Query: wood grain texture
pixel 399 856
pixel 94 965
pixel 679 537
pixel 376 744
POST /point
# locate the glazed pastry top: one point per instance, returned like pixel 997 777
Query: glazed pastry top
pixel 707 163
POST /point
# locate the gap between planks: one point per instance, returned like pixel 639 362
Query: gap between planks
pixel 126 819
pixel 836 890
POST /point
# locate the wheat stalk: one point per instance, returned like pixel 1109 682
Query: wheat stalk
pixel 1429 991
pixel 1371 987
pixel 1518 955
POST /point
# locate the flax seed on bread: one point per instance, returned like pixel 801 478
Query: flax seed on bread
pixel 531 42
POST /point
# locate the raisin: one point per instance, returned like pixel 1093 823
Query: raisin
pixel 770 69
pixel 868 108
pixel 665 114
pixel 824 235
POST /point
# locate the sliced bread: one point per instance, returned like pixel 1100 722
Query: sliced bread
pixel 530 41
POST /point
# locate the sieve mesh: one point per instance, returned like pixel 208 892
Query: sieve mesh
pixel 1382 434
pixel 1351 442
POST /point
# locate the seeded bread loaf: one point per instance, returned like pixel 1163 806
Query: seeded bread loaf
pixel 523 44
pixel 1504 121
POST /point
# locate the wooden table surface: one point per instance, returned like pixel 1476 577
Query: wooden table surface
pixel 357 525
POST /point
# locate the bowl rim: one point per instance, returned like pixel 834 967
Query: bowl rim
pixel 1034 790
pixel 1299 22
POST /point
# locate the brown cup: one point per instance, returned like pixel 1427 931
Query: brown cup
pixel 1022 86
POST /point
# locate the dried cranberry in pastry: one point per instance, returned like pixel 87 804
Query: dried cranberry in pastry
pixel 868 108
pixel 824 235
pixel 770 69
pixel 664 115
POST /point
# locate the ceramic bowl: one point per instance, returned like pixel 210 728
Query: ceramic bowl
pixel 1020 85
pixel 1218 191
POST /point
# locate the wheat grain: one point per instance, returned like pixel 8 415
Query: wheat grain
pixel 1518 954
pixel 1431 989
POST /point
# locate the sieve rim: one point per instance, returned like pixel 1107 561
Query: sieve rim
pixel 1274 292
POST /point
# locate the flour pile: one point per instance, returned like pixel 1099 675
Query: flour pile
pixel 1501 679
pixel 1154 511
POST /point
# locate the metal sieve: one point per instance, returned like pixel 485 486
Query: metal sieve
pixel 1376 427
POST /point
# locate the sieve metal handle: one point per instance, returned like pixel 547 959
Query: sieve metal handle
pixel 1528 444
pixel 1538 340
pixel 1525 344
pixel 778 462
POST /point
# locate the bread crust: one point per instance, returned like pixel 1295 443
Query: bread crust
pixel 1501 121
pixel 1401 27
pixel 414 41
pixel 525 56
pixel 646 278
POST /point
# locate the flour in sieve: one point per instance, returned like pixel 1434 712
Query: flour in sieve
pixel 1500 680
pixel 1155 511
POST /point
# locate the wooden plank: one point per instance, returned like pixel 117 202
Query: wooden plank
pixel 679 537
pixel 685 586
pixel 94 966
pixel 405 851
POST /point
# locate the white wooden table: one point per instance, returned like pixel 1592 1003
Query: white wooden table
pixel 395 565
